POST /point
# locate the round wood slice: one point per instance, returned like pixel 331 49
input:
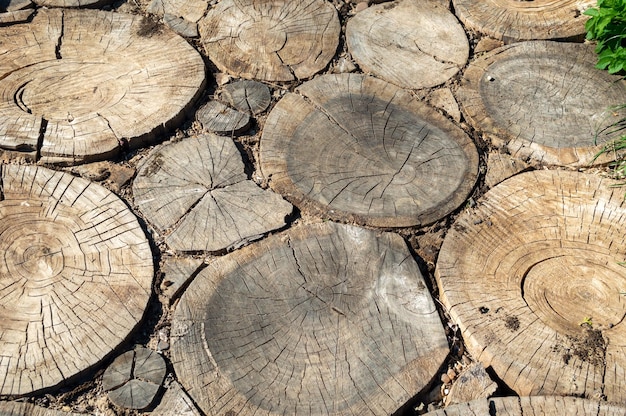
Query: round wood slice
pixel 535 405
pixel 197 193
pixel 324 319
pixel 218 118
pixel 77 85
pixel 543 100
pixel 271 40
pixel 532 276
pixel 181 15
pixel 27 409
pixel 410 44
pixel 518 20
pixel 75 276
pixel 248 96
pixel 354 148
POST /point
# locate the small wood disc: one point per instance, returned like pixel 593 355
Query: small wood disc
pixel 425 46
pixel 355 148
pixel 271 40
pixel 543 100
pixel 219 118
pixel 75 276
pixel 324 319
pixel 518 20
pixel 248 96
pixel 532 276
pixel 78 85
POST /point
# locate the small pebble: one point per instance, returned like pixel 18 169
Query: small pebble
pixel 445 379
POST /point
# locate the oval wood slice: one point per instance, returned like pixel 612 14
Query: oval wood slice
pixel 248 96
pixel 75 276
pixel 543 100
pixel 181 15
pixel 221 119
pixel 197 193
pixel 354 148
pixel 514 21
pixel 532 276
pixel 271 40
pixel 425 46
pixel 77 85
pixel 324 319
pixel 535 405
pixel 27 409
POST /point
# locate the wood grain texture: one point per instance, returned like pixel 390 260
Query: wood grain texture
pixel 181 15
pixel 75 276
pixel 543 100
pixel 248 96
pixel 27 409
pixel 271 40
pixel 221 119
pixel 76 85
pixel 521 272
pixel 354 148
pixel 514 21
pixel 175 402
pixel 410 44
pixel 196 192
pixel 323 319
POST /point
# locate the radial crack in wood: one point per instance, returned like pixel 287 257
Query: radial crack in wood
pixel 543 100
pixel 221 119
pixel 354 148
pixel 271 40
pixel 75 277
pixel 410 44
pixel 80 85
pixel 532 276
pixel 197 193
pixel 323 319
pixel 514 21
pixel 248 96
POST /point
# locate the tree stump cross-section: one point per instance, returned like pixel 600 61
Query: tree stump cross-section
pixel 75 276
pixel 323 319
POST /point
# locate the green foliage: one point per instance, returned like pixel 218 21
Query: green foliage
pixel 607 25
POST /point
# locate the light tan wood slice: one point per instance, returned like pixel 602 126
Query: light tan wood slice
pixel 72 3
pixel 271 40
pixel 248 96
pixel 196 192
pixel 536 405
pixel 410 44
pixel 181 15
pixel 532 276
pixel 18 16
pixel 501 166
pixel 354 148
pixel 27 409
pixel 514 21
pixel 78 85
pixel 133 379
pixel 175 402
pixel 75 276
pixel 323 319
pixel 472 383
pixel 543 100
pixel 443 99
pixel 221 119
pixel 177 272
pixel 181 26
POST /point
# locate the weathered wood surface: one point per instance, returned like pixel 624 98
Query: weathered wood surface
pixel 78 85
pixel 514 21
pixel 175 402
pixel 410 44
pixel 197 193
pixel 248 96
pixel 221 119
pixel 542 100
pixel 133 379
pixel 354 148
pixel 473 383
pixel 323 319
pixel 176 273
pixel 271 40
pixel 181 15
pixel 72 3
pixel 75 278
pixel 27 409
pixel 522 273
pixel 501 166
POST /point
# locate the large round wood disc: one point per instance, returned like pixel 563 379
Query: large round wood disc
pixel 543 100
pixel 532 276
pixel 352 147
pixel 271 40
pixel 534 405
pixel 77 85
pixel 426 47
pixel 516 20
pixel 75 276
pixel 324 319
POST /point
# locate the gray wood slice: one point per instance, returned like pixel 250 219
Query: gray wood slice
pixel 181 15
pixel 248 96
pixel 410 44
pixel 543 100
pixel 196 192
pixel 323 319
pixel 27 409
pixel 133 379
pixel 523 271
pixel 175 402
pixel 514 21
pixel 354 148
pixel 75 278
pixel 271 40
pixel 78 85
pixel 221 119
pixel 176 273
pixel 536 405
